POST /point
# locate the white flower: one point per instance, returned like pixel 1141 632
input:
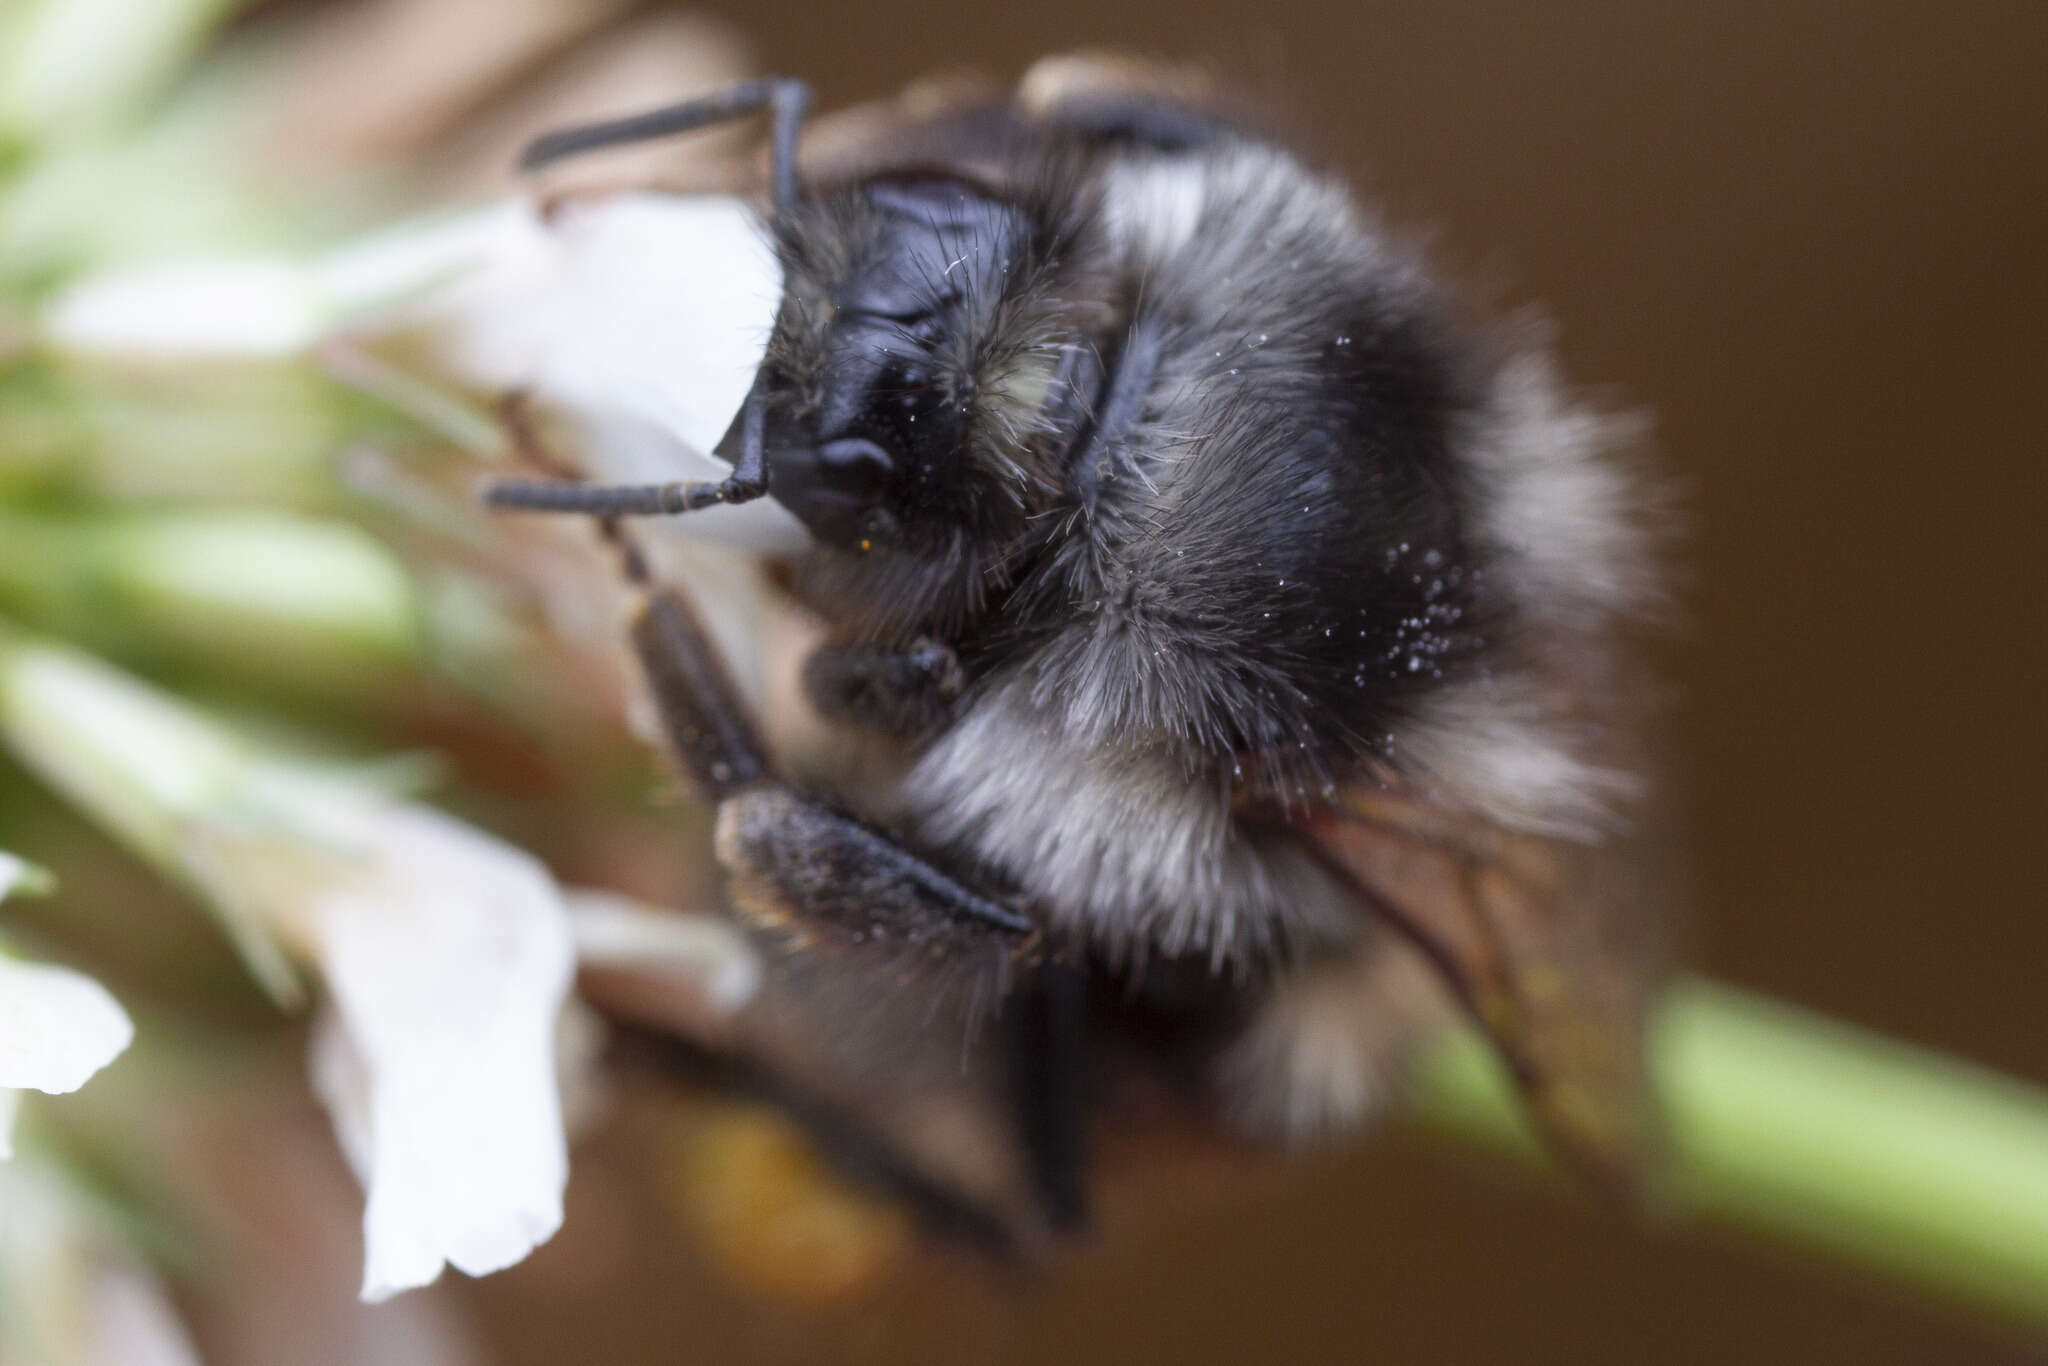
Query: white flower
pixel 57 1026
pixel 447 961
pixel 618 933
pixel 635 321
pixel 641 317
pixel 446 953
pixel 205 308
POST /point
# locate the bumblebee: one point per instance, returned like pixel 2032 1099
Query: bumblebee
pixel 1226 630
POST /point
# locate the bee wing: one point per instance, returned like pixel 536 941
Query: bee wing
pixel 1520 928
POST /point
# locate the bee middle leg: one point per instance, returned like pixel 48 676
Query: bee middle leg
pixel 790 850
pixel 835 896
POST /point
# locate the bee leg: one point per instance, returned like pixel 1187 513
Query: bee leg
pixel 800 864
pixel 709 728
pixel 1047 1030
pixel 901 693
pixel 921 1001
pixel 786 100
pixel 809 859
pixel 885 967
pixel 831 1039
pixel 849 914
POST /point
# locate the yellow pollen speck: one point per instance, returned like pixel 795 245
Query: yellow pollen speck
pixel 774 1220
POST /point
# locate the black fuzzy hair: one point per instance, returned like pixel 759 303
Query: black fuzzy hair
pixel 967 511
pixel 1280 557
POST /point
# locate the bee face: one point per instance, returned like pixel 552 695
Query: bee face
pixel 872 404
pixel 929 370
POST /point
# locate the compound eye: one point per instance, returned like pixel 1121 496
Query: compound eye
pixel 855 465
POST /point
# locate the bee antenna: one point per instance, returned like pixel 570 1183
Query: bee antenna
pixel 786 99
pixel 748 481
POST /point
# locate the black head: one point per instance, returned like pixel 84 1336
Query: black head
pixel 919 390
pixel 931 363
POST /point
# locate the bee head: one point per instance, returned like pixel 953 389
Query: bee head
pixel 916 391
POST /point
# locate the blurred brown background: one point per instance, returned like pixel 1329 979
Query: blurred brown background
pixel 1808 237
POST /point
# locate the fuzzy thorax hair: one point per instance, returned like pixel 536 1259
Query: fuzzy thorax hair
pixel 1213 490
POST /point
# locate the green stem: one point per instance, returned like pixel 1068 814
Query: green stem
pixel 1903 1160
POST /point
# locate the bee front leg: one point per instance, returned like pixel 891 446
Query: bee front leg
pixel 709 728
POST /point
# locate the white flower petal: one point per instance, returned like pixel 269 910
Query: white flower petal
pixel 194 309
pixel 447 957
pixel 137 760
pixel 145 766
pixel 342 1082
pixel 638 318
pixel 257 306
pixel 15 873
pixel 617 932
pixel 423 264
pixel 57 1028
pixel 664 311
